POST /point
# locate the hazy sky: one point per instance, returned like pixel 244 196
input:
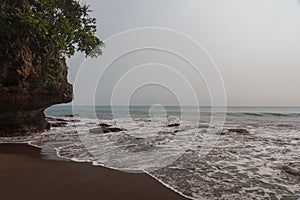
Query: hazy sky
pixel 255 45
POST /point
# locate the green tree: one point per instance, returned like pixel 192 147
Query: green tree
pixel 51 29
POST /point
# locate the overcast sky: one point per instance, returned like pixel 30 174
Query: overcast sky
pixel 254 45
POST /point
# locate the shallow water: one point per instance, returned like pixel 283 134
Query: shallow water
pixel 196 159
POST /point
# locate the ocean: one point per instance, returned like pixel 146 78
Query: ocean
pixel 199 152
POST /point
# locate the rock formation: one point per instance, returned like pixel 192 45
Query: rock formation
pixel 36 37
pixel 25 94
pixel 106 128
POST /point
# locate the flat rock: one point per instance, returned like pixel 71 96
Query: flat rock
pixel 106 130
pixel 235 130
pixel 59 124
pixel 104 125
pixel 173 125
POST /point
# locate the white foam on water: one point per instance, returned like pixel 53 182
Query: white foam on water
pixel 240 165
pixel 172 188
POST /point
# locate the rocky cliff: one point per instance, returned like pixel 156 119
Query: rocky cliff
pixel 35 38
pixel 26 91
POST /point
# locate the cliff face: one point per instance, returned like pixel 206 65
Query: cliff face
pixel 26 91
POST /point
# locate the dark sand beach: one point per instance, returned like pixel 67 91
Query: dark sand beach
pixel 25 175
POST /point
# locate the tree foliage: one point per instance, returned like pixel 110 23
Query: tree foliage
pixel 50 30
pixel 60 26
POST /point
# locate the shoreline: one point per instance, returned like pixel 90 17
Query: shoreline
pixel 26 175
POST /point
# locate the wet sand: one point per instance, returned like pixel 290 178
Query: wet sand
pixel 25 175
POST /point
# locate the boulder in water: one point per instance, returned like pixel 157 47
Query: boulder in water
pixel 173 125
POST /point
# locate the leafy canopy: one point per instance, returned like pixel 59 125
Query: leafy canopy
pixel 54 27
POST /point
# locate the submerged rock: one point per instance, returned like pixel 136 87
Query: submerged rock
pixel 55 120
pixel 204 126
pixel 59 124
pixel 112 129
pixel 60 120
pixel 106 129
pixel 104 125
pixel 235 130
pixel 291 170
pixel 69 115
pixel 124 138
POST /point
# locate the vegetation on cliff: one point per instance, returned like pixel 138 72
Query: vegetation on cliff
pixel 36 36
pixel 49 29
